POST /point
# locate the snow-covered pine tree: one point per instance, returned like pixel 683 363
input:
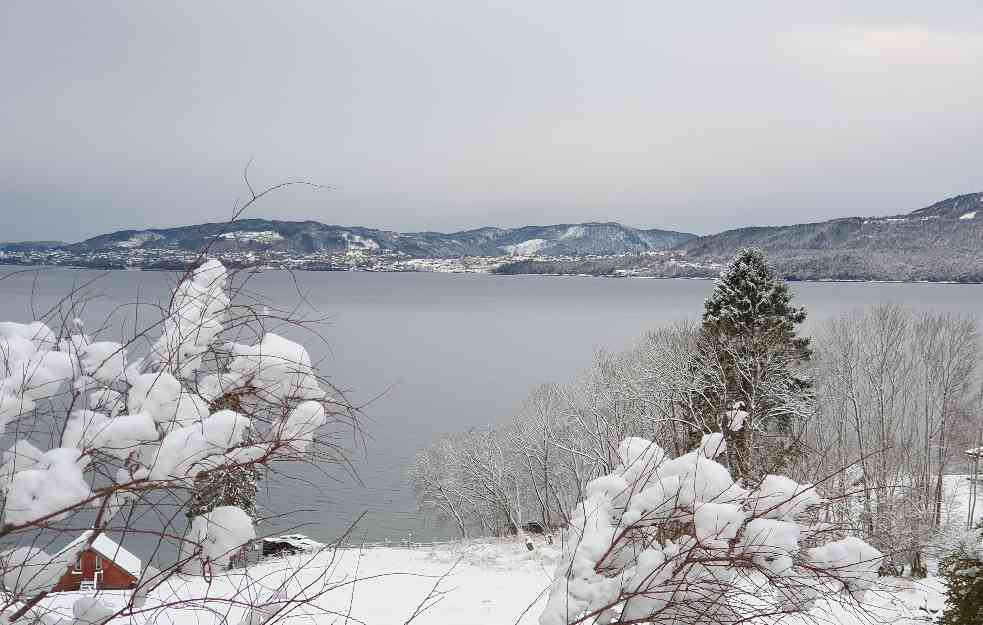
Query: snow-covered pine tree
pixel 752 355
pixel 962 572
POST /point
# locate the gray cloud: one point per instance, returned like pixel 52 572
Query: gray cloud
pixel 449 114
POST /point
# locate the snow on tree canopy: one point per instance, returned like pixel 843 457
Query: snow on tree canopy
pixel 29 369
pixel 778 497
pixel 106 400
pixel 303 421
pixel 53 485
pixel 735 419
pixel 852 560
pixel 748 297
pixel 118 436
pixel 219 534
pixel 277 368
pixel 196 316
pixel 162 396
pixel 140 416
pixel 660 540
pixel 104 361
pixel 21 455
pixel 185 452
pixel 35 332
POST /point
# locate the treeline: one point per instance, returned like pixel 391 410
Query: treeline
pixel 875 410
pixel 908 266
pixel 644 265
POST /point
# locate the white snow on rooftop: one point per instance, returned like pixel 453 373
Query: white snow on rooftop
pixel 297 540
pixel 969 215
pixel 107 548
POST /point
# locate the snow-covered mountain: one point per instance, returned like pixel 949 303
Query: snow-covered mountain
pixel 941 242
pixel 305 237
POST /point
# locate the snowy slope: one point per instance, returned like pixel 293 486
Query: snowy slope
pixel 477 583
pixel 311 236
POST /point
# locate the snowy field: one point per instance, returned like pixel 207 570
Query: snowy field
pixel 477 582
pixel 473 583
pixel 470 583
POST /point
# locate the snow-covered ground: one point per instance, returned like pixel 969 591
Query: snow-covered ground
pixel 955 508
pixel 491 582
pixel 486 582
pixel 478 582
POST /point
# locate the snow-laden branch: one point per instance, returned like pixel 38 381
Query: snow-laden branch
pixel 664 540
pixel 119 422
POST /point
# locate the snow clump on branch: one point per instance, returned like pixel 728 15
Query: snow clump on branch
pixel 662 540
pixel 160 420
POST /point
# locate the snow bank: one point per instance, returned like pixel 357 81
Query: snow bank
pixel 485 582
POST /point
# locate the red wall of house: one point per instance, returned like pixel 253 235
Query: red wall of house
pixel 113 577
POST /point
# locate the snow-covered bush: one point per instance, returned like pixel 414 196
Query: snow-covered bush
pixel 98 432
pixel 676 540
pixel 962 572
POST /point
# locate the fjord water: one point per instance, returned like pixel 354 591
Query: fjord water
pixel 435 353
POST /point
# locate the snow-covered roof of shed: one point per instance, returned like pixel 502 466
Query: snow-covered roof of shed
pixel 107 548
pixel 297 540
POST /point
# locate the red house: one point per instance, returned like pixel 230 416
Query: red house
pixel 103 565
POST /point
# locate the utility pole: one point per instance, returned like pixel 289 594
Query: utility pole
pixel 974 481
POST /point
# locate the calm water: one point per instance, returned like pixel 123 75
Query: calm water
pixel 445 352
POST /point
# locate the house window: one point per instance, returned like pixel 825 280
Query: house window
pixel 98 563
pixel 78 564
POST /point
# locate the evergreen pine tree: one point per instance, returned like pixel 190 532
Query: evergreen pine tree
pixel 962 573
pixel 753 352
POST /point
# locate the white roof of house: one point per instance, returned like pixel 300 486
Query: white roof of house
pixel 297 540
pixel 107 548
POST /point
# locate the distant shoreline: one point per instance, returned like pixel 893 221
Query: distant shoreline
pixel 26 267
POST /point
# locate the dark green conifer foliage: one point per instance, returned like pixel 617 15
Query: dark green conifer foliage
pixel 754 353
pixel 962 573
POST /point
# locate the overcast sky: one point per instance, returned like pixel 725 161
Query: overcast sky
pixel 453 114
